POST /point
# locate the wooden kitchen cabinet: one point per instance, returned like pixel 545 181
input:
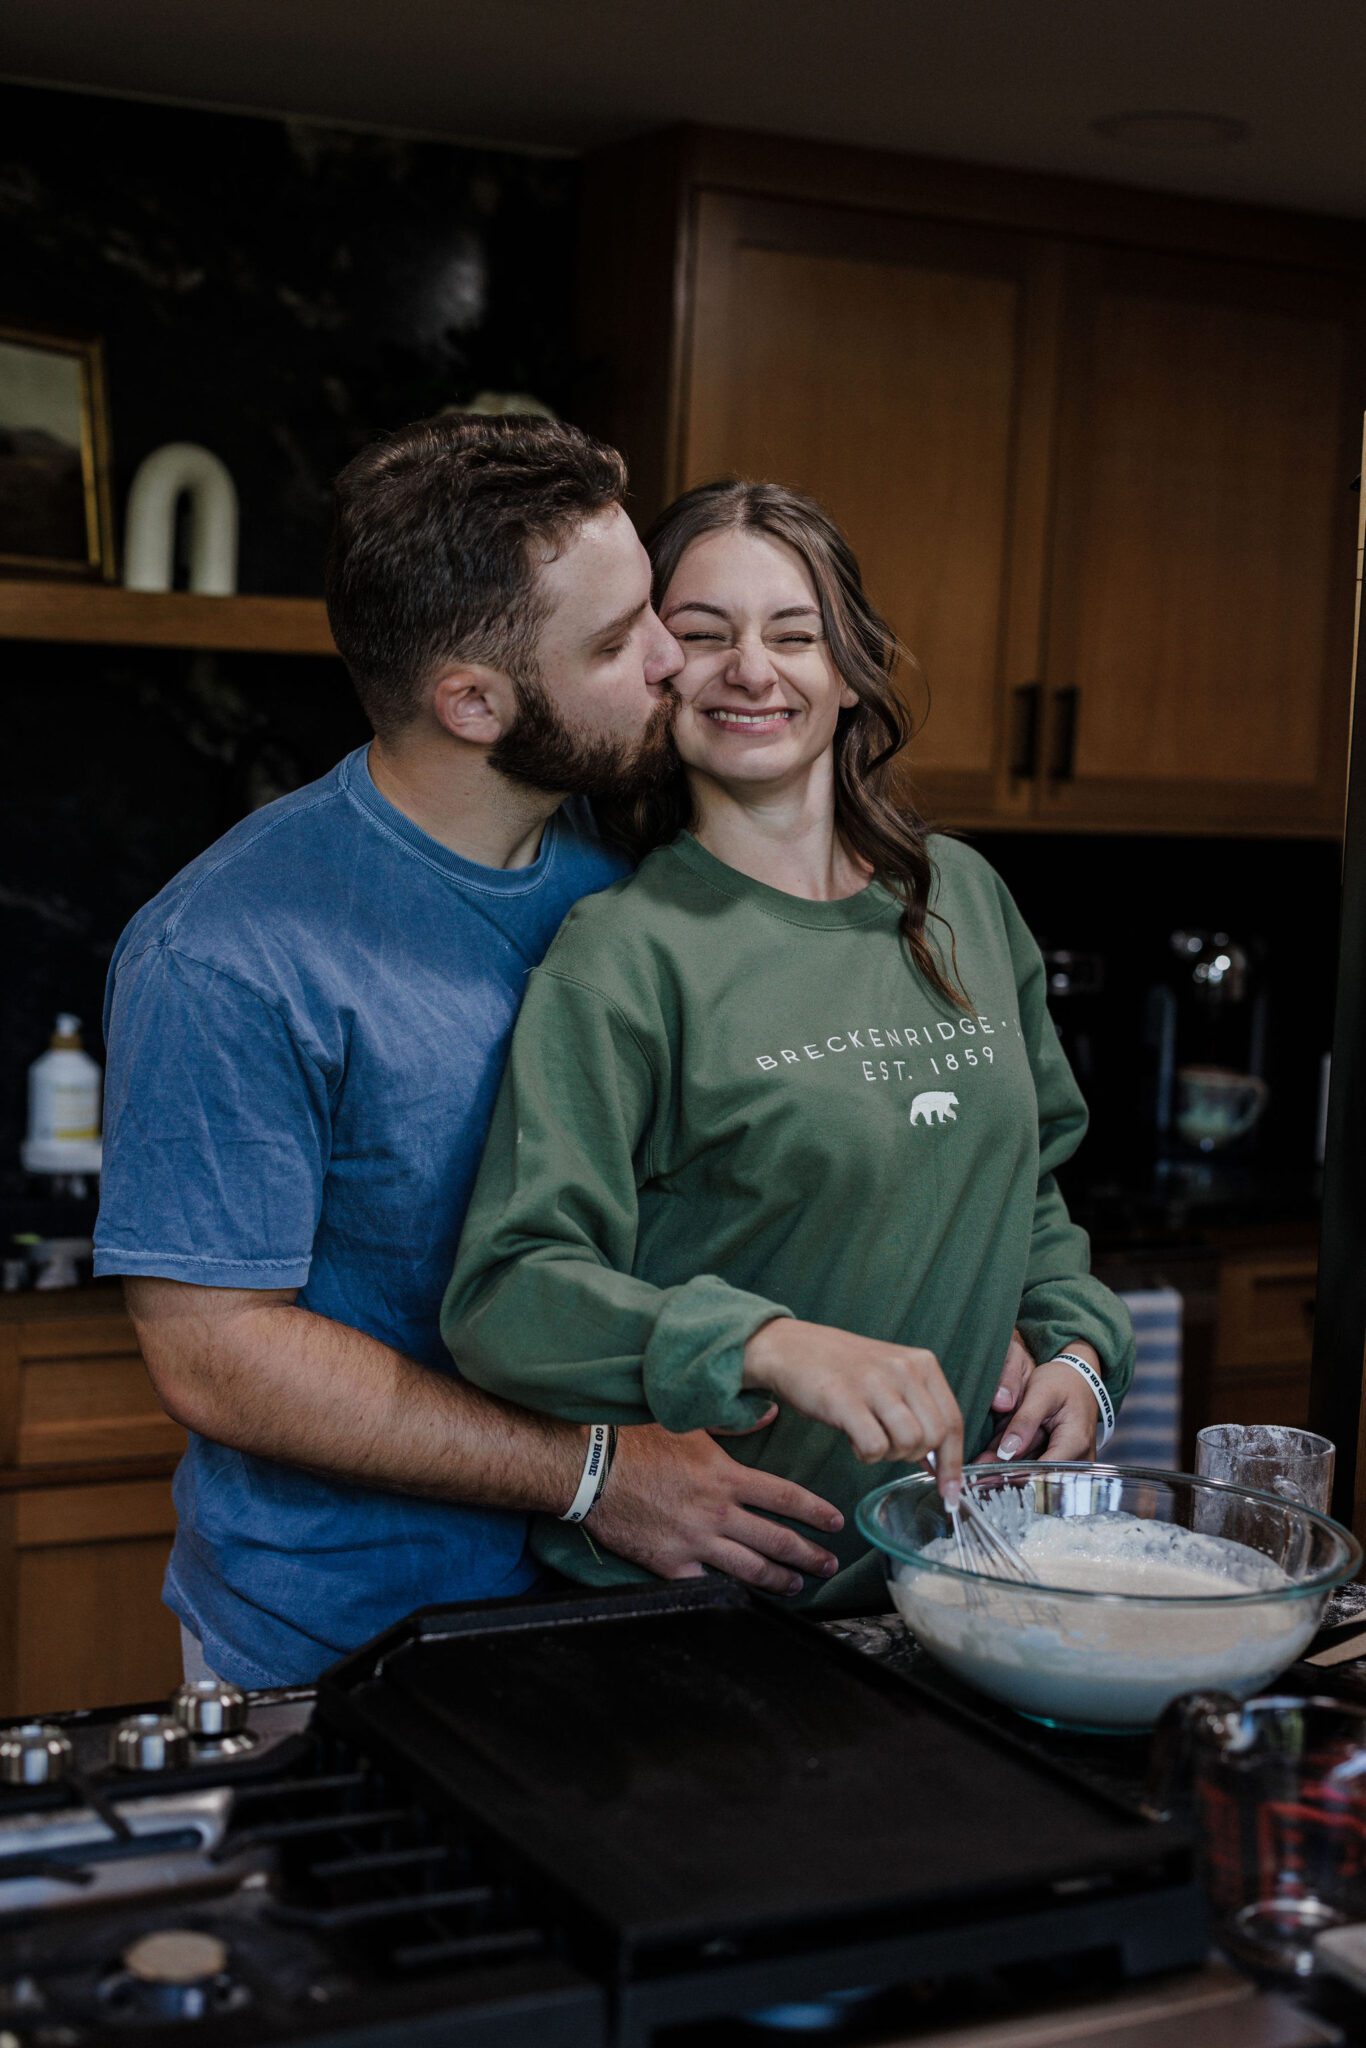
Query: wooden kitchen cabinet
pixel 1196 630
pixel 1265 1338
pixel 1092 447
pixel 88 1627
pixel 86 1456
pixel 1247 1321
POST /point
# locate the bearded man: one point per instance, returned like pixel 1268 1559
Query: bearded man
pixel 306 1030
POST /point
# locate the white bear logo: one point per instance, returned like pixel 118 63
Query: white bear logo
pixel 933 1106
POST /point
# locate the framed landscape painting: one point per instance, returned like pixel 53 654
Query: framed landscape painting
pixel 54 456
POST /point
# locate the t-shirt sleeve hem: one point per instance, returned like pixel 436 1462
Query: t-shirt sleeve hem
pixel 200 1272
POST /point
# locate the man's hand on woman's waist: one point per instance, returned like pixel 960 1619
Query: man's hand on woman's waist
pixel 677 1504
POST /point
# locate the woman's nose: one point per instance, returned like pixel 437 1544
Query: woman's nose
pixel 750 666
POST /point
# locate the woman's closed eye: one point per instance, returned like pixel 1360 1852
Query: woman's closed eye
pixel 718 639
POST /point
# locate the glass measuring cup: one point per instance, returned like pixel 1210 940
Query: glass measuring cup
pixel 1278 1789
pixel 1294 1463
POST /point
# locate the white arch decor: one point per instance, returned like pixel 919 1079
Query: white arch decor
pixel 178 469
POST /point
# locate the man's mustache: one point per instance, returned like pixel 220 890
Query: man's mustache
pixel 664 717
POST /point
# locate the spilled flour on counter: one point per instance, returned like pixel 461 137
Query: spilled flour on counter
pixel 1110 1662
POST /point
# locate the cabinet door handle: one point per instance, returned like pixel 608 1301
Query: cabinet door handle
pixel 1066 710
pixel 1024 735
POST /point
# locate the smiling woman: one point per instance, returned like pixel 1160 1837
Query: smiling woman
pixel 753 1145
pixel 757 669
pixel 773 601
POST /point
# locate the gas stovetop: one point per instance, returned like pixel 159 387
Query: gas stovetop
pixel 599 1821
pixel 268 1888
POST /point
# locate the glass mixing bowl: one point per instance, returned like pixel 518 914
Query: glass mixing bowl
pixel 1110 1662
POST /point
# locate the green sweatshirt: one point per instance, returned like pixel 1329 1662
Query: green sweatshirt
pixel 723 1103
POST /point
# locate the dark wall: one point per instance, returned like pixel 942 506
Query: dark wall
pixel 117 767
pixel 279 291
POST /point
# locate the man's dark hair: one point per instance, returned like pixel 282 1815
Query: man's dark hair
pixel 435 538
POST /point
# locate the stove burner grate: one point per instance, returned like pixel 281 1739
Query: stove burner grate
pixel 359 1864
pixel 330 1885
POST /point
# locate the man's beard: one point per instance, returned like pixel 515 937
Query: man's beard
pixel 542 752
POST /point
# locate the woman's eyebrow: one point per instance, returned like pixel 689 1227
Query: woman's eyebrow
pixel 715 611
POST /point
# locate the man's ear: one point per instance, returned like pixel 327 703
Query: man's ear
pixel 474 704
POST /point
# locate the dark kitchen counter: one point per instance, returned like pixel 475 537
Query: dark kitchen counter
pixel 1195 1205
pixel 1114 1765
pixel 1219 2007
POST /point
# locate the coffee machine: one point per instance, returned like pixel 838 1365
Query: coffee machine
pixel 1206 1029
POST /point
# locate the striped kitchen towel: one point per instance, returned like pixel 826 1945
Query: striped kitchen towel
pixel 1148 1431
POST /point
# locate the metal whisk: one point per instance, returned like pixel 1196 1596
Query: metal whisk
pixel 979 1545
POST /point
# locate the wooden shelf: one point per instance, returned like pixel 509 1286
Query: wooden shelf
pixel 103 613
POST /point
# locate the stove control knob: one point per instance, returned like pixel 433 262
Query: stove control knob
pixel 150 1742
pixel 34 1754
pixel 210 1709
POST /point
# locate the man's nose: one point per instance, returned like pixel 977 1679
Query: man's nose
pixel 665 658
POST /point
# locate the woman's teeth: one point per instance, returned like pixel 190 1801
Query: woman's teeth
pixel 748 718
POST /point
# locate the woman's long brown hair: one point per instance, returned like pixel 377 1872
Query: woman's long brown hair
pixel 884 832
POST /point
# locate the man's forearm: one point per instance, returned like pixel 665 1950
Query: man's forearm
pixel 282 1383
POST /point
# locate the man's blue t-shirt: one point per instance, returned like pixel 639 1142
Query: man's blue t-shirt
pixel 306 1031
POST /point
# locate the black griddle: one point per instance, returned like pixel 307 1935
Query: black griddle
pixel 718 1799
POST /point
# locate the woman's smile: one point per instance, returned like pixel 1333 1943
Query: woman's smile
pixel 744 609
pixel 775 719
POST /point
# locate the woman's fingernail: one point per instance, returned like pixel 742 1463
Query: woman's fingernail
pixel 835 1522
pixel 953 1493
pixel 1009 1446
pixel 1001 1398
pixel 830 1567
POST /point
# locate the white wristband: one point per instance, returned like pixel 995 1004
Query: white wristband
pixel 1098 1388
pixel 596 1465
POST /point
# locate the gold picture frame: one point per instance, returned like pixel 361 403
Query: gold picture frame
pixel 55 516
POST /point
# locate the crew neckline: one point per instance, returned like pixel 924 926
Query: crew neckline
pixel 866 906
pixel 358 783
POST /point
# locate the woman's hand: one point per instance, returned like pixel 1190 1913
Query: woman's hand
pixel 1016 1373
pixel 891 1400
pixel 1057 1417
